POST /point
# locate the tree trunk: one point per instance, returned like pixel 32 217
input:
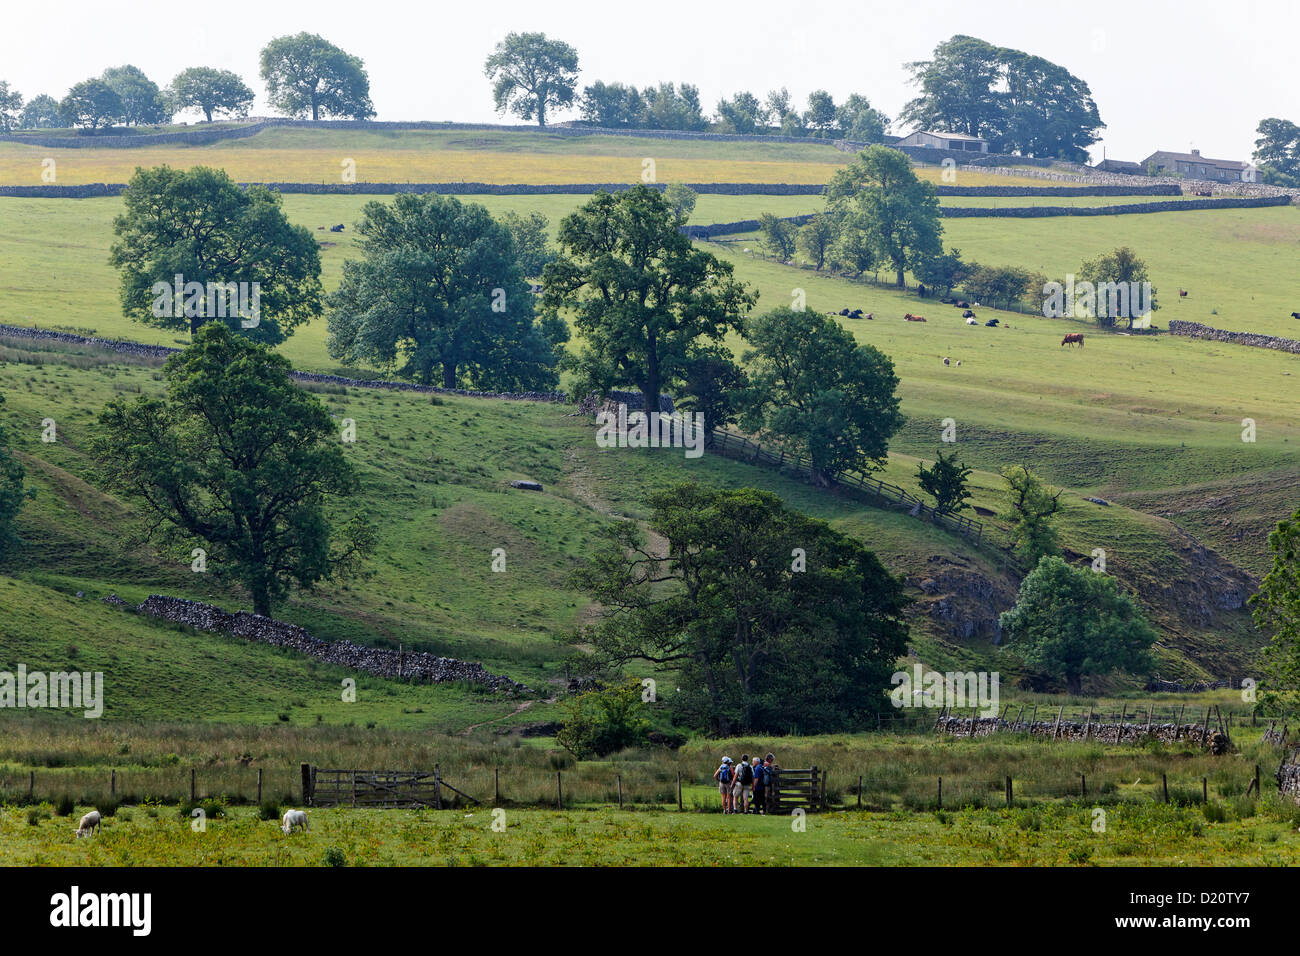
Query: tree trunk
pixel 898 279
pixel 541 111
pixel 208 114
pixel 448 375
pixel 1075 683
pixel 261 597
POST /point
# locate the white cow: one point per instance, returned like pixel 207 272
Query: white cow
pixel 972 322
pixel 88 824
pixel 295 820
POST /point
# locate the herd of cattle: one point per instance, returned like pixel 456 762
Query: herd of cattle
pixel 966 314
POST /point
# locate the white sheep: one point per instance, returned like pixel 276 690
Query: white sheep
pixel 295 820
pixel 88 824
pixel 972 322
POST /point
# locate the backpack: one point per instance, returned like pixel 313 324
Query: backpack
pixel 725 776
pixel 746 775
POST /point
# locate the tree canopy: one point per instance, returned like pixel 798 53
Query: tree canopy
pixel 1277 607
pixel 142 101
pixel 211 91
pixel 440 288
pixel 532 75
pixel 1277 151
pixel 240 458
pixel 306 75
pixel 92 104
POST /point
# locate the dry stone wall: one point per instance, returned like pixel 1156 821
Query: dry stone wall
pixel 1196 330
pixel 1111 733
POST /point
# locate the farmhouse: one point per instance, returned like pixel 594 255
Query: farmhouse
pixel 1120 166
pixel 1195 166
pixel 933 140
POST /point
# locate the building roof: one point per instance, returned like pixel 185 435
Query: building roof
pixel 1164 156
pixel 962 136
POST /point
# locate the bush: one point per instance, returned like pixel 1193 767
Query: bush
pixel 602 722
pixel 66 806
pixel 268 810
pixel 334 857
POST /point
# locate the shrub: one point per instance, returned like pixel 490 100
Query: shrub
pixel 268 810
pixel 334 857
pixel 65 806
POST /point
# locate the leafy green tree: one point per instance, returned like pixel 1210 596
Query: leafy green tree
pixel 946 482
pixel 816 237
pixel 942 273
pixel 645 299
pixel 601 722
pixel 880 194
pixel 11 105
pixel 769 619
pixel 531 234
pixel 41 112
pixel 440 287
pixel 1020 103
pixel 612 105
pixel 212 91
pixel 681 198
pixel 200 225
pixel 92 104
pixel 714 386
pixel 242 459
pixel 1277 607
pixel 859 121
pixel 142 101
pixel 1073 622
pixel 852 251
pixel 820 115
pixel 780 235
pixel 1033 505
pixel 995 285
pixel 305 75
pixel 532 75
pixel 12 493
pixel 1277 150
pixel 1122 266
pixel 743 113
pixel 817 391
pixel 668 107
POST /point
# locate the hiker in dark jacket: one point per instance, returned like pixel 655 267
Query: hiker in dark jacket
pixel 760 786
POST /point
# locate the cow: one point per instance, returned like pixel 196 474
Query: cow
pixel 1295 315
pixel 843 312
pixel 1182 293
pixel 972 321
pixel 855 314
pixel 968 314
pixel 1073 338
pixel 961 304
pixel 869 315
pixel 945 360
pixel 88 824
pixel 992 323
pixel 295 820
pixel 913 318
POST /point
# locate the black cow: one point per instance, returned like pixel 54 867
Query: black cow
pixel 992 323
pixel 968 314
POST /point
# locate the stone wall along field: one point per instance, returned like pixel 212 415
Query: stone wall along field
pixel 1196 330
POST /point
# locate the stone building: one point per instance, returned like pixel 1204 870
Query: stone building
pixel 957 141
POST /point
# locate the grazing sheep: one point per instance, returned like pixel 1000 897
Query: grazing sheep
pixel 945 360
pixel 295 820
pixel 88 824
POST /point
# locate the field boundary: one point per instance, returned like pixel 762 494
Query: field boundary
pixel 1196 330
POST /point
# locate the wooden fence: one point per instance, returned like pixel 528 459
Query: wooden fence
pixel 391 789
pixel 742 449
pixel 795 789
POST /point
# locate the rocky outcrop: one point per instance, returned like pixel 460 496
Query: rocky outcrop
pixel 963 602
pixel 382 662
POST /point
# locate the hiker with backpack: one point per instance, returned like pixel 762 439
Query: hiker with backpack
pixel 744 789
pixel 725 775
pixel 759 802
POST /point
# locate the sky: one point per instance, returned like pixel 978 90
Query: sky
pixel 1165 75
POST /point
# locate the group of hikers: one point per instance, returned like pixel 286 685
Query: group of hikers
pixel 744 786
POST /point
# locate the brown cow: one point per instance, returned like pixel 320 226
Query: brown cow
pixel 914 318
pixel 1073 338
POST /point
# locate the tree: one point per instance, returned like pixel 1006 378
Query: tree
pixel 12 493
pixel 777 106
pixel 743 113
pixel 945 482
pixel 242 459
pixel 681 199
pixel 768 619
pixel 859 121
pixel 1020 103
pixel 820 115
pixel 222 243
pixel 142 101
pixel 1073 622
pixel 1033 504
pixel 997 284
pixel 440 287
pixel 667 107
pixel 816 237
pixel 852 251
pixel 713 385
pixel 781 236
pixel 531 234
pixel 11 104
pixel 821 394
pixel 1117 278
pixel 532 75
pixel 41 112
pixel 942 273
pixel 211 91
pixel 92 104
pixel 1277 151
pixel 602 722
pixel 898 212
pixel 612 106
pixel 645 299
pixel 307 75
pixel 1277 606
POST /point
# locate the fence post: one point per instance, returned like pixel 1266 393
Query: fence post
pixel 679 791
pixel 620 791
pixel 940 793
pixel 1008 790
pixel 496 787
pixel 1164 785
pixel 1083 786
pixel 437 787
pixel 860 789
pixel 193 782
pixel 307 795
pixel 1205 790
pixel 1056 731
pixel 31 785
pixel 559 792
pixel 112 783
pixel 259 786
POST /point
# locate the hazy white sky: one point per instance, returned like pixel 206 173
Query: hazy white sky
pixel 1165 74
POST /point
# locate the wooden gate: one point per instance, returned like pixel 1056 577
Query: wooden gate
pixel 391 789
pixel 796 789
